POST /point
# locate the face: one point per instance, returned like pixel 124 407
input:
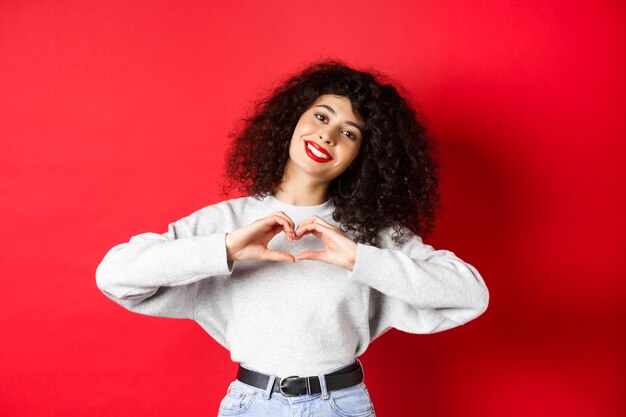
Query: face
pixel 327 138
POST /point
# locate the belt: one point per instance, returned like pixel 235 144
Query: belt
pixel 294 386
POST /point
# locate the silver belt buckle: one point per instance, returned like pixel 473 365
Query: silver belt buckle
pixel 280 386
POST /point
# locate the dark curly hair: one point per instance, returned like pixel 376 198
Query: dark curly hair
pixel 393 180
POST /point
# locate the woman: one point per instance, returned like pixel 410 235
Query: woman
pixel 323 254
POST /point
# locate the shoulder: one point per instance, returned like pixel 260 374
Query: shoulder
pixel 407 241
pixel 225 207
pixel 231 209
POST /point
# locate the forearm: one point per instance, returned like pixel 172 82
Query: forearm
pixel 441 281
pixel 150 260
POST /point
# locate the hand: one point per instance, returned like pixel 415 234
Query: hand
pixel 250 242
pixel 340 250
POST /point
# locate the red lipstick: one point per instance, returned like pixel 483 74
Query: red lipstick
pixel 317 148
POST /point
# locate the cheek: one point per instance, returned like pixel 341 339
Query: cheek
pixel 293 145
pixel 303 128
pixel 297 134
pixel 296 145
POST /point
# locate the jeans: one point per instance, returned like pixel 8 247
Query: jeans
pixel 246 400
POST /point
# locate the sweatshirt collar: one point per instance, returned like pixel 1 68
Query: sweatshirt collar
pixel 320 210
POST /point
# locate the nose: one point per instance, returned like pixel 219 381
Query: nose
pixel 326 138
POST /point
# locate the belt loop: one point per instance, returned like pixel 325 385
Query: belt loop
pixel 323 386
pixel 270 385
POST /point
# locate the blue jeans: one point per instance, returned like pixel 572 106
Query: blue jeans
pixel 246 400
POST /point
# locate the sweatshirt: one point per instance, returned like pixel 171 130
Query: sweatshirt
pixel 299 318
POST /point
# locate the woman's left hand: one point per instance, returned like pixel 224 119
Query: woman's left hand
pixel 340 250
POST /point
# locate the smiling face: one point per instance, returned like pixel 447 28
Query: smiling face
pixel 327 138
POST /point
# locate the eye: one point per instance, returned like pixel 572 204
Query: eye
pixel 321 117
pixel 349 134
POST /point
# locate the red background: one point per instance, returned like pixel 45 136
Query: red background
pixel 114 117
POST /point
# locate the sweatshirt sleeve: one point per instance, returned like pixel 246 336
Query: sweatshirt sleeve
pixel 419 289
pixel 157 274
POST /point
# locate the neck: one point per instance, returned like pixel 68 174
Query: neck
pixel 300 189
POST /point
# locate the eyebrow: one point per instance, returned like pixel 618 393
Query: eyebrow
pixel 348 122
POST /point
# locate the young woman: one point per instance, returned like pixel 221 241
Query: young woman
pixel 321 256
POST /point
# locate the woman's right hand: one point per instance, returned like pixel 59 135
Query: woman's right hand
pixel 250 242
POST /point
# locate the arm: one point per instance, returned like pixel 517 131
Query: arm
pixel 420 289
pixel 157 274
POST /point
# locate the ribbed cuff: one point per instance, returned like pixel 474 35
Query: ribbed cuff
pixel 366 264
pixel 213 256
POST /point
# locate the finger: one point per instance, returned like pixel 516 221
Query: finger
pixel 288 224
pixel 311 254
pixel 312 219
pixel 315 228
pixel 313 232
pixel 287 218
pixel 317 220
pixel 272 255
pixel 274 224
pixel 283 224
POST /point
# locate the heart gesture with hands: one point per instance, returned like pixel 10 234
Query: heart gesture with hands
pixel 340 250
pixel 250 242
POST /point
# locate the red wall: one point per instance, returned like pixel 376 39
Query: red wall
pixel 113 122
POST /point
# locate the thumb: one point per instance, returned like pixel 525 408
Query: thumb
pixel 272 255
pixel 310 254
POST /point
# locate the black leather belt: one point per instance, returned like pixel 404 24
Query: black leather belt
pixel 294 386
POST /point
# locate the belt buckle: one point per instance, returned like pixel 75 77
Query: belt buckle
pixel 280 386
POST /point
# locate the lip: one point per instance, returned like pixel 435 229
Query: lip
pixel 319 148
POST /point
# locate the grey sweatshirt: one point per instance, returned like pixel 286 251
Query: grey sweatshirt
pixel 284 318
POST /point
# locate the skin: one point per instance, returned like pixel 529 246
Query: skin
pixel 305 182
pixel 332 124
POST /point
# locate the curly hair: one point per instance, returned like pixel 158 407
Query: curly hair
pixel 393 180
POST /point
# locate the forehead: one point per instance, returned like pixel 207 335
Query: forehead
pixel 341 105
